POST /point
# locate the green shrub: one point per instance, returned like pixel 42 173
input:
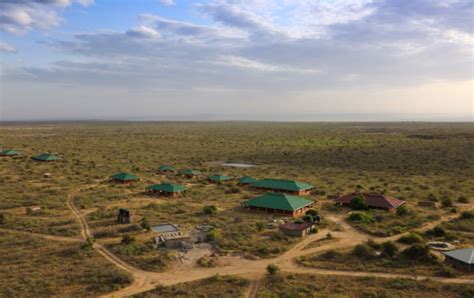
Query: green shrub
pixel 411 238
pixel 361 217
pixel 446 202
pixel 272 269
pixel 145 224
pixel 389 249
pixel 467 215
pixel 463 200
pixel 363 251
pixel 127 239
pixel 213 235
pixel 210 210
pixel 358 203
pixel 418 252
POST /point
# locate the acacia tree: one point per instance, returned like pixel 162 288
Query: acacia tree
pixel 358 203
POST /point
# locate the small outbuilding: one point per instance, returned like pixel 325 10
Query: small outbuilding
pixel 123 178
pixel 372 200
pixel 123 217
pixel 462 259
pixel 46 157
pixel 165 169
pixel 167 189
pixel 281 204
pixel 246 180
pixel 296 230
pixel 218 178
pixel 9 153
pixel 189 173
pixel 281 185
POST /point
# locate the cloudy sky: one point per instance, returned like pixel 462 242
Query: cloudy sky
pixel 308 60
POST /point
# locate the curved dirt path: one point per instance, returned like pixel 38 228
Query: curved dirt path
pixel 254 270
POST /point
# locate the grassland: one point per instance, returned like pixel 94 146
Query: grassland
pixel 302 285
pixel 414 162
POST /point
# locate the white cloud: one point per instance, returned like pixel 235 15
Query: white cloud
pixel 20 16
pixel 167 2
pixel 143 32
pixel 7 48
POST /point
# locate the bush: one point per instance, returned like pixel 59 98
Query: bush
pixel 417 252
pixel 402 210
pixel 361 217
pixel 272 269
pixel 437 232
pixel 145 224
pixel 446 202
pixel 389 249
pixel 127 239
pixel 88 244
pixel 330 254
pixel 411 238
pixel 210 210
pixel 260 226
pixel 213 235
pixel 358 203
pixel 312 212
pixel 308 218
pixel 363 251
pixel 463 200
pixel 467 215
pixel 446 271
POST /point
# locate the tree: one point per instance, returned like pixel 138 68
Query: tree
pixel 308 218
pixel 363 251
pixel 273 269
pixel 88 244
pixel 127 239
pixel 389 249
pixel 145 224
pixel 210 210
pixel 417 252
pixel 358 203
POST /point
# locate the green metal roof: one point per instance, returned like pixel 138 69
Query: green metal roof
pixel 190 172
pixel 46 157
pixel 9 152
pixel 166 168
pixel 219 178
pixel 280 184
pixel 246 180
pixel 167 187
pixel 278 201
pixel 124 176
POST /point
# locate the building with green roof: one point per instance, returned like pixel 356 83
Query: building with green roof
pixel 166 169
pixel 165 188
pixel 218 178
pixel 45 157
pixel 190 173
pixel 279 203
pixel 245 180
pixel 123 178
pixel 289 186
pixel 9 153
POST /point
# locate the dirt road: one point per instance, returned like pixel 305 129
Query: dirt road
pixel 253 270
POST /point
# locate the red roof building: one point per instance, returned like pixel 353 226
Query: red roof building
pixel 372 200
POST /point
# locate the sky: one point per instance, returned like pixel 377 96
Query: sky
pixel 268 60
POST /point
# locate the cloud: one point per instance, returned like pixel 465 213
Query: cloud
pixel 7 48
pixel 20 16
pixel 264 47
pixel 167 2
pixel 143 32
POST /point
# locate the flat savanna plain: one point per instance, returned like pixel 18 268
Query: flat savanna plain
pixel 412 161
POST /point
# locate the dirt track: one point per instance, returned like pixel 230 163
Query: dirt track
pixel 253 270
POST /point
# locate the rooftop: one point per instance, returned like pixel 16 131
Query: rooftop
pixel 46 157
pixel 122 176
pixel 9 152
pixel 278 201
pixel 167 187
pixel 281 184
pixel 190 172
pixel 165 168
pixel 246 179
pixel 465 255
